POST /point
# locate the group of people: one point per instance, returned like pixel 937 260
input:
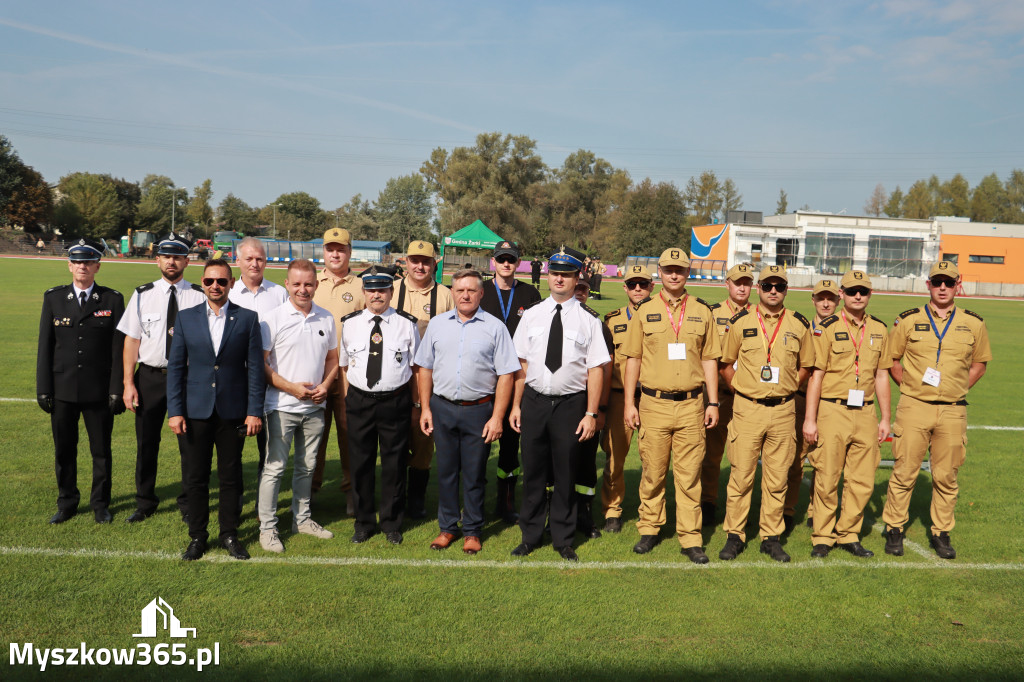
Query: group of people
pixel 404 366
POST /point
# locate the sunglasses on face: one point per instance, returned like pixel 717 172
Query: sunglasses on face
pixel 637 284
pixel 778 286
pixel 505 259
pixel 857 291
pixel 938 282
pixel 209 281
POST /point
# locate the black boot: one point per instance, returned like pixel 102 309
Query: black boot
pixel 416 493
pixel 585 517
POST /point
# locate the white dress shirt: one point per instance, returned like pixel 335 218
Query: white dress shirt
pixel 215 320
pixel 267 297
pixel 145 317
pixel 583 347
pixel 298 345
pixel 401 340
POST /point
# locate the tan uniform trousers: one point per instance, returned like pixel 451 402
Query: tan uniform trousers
pixel 615 440
pixel 711 468
pixel 918 425
pixel 334 411
pixel 796 470
pixel 847 445
pixel 769 433
pixel 421 444
pixel 671 429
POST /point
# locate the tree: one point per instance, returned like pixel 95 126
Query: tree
pixel 989 200
pixel 704 197
pixel 783 205
pixel 732 200
pixel 652 219
pixel 578 202
pixel 876 203
pixel 155 207
pixel 31 204
pixel 234 214
pixel 403 210
pixel 199 211
pixel 128 196
pixel 11 172
pixel 1015 197
pixel 918 202
pixel 359 218
pixel 894 207
pixel 95 209
pixel 299 214
pixel 955 197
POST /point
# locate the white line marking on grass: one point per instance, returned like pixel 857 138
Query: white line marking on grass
pixel 914 547
pixel 16 400
pixel 517 564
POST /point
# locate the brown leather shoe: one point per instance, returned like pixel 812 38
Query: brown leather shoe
pixel 471 544
pixel 442 541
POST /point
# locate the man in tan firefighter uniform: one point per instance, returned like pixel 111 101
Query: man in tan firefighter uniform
pixel 772 349
pixel 617 437
pixel 672 348
pixel 943 351
pixel 851 374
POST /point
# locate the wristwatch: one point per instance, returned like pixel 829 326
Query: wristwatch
pixel 714 404
pixel 591 414
pixel 416 405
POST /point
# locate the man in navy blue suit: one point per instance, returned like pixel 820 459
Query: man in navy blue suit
pixel 216 358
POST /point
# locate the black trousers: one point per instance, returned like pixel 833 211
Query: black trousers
pixel 586 471
pixel 508 449
pixel 99 424
pixel 384 421
pixel 550 444
pixel 196 444
pixel 151 383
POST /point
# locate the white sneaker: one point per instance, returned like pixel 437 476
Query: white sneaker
pixel 270 541
pixel 311 527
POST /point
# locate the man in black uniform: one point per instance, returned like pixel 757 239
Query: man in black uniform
pixel 535 266
pixel 78 373
pixel 506 298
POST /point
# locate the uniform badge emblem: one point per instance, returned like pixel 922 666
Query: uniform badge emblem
pixel 377 338
pixel 766 373
pixel 346 297
pixel 102 313
pixel 398 357
pixel 426 308
pixel 674 254
pixel 943 265
pixel 520 313
pixel 170 331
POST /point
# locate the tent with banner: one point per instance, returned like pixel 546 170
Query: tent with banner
pixel 476 235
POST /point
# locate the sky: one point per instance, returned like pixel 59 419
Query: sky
pixel 821 99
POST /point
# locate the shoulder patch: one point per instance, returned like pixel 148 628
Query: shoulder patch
pixel 196 287
pixel 643 301
pixel 408 316
pixel 144 288
pixel 830 320
pixel 713 306
pixel 590 310
pixel 802 319
pixel 907 313
pixel 530 305
pixel 59 286
pixel 350 315
pixel 737 316
pixel 973 314
pixel 614 313
pixel 704 303
pixel 877 320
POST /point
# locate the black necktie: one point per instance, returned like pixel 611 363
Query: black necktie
pixel 373 365
pixel 81 299
pixel 553 360
pixel 172 315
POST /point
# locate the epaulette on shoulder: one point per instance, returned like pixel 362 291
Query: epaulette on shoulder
pixel 907 313
pixel 143 288
pixel 590 310
pixel 59 286
pixel 802 319
pixel 530 305
pixel 350 315
pixel 196 287
pixel 643 301
pixel 409 316
pixel 705 303
pixel 878 320
pixel 737 316
pixel 973 314
pixel 829 321
pixel 614 313
pixel 713 306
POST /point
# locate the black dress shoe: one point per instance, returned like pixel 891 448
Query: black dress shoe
pixel 196 549
pixel 695 554
pixel 940 543
pixel 102 515
pixel 235 548
pixel 820 551
pixel 394 537
pixel 523 549
pixel 613 524
pixel 646 544
pixel 773 548
pixel 856 549
pixel 733 547
pixel 707 513
pixel 139 515
pixel 61 516
pixel 894 542
pixel 567 553
pixel 361 536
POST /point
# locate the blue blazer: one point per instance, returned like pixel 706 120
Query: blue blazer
pixel 232 381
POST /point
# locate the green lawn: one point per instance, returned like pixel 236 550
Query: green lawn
pixel 330 609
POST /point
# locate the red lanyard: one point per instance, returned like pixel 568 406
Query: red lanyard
pixel 682 312
pixel 778 326
pixel 856 346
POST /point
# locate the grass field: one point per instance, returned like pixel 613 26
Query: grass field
pixel 330 609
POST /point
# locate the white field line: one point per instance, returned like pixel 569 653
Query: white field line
pixel 519 564
pixel 913 546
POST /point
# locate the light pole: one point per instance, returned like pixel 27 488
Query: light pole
pixel 174 200
pixel 275 220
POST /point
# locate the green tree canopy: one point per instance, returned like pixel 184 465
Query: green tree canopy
pixel 88 206
pixel 653 219
pixel 155 207
pixel 403 211
pixel 234 214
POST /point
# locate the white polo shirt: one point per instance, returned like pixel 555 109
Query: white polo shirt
pixel 583 347
pixel 298 345
pixel 401 339
pixel 145 316
pixel 264 299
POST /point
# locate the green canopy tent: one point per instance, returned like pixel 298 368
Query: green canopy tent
pixel 476 235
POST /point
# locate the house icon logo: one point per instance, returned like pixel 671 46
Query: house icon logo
pixel 159 614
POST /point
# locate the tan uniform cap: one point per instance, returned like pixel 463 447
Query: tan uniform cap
pixel 674 256
pixel 773 271
pixel 337 235
pixel 421 248
pixel 945 268
pixel 637 272
pixel 826 285
pixel 856 278
pixel 739 271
